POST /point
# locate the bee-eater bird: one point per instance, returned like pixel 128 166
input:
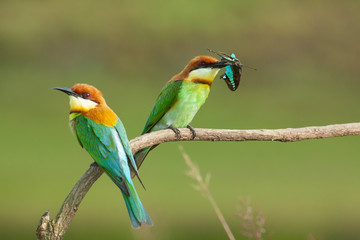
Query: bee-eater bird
pixel 99 130
pixel 181 99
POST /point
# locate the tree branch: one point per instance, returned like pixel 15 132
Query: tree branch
pixel 56 228
pixel 282 135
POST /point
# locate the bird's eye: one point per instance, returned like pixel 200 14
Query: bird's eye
pixel 86 95
pixel 202 64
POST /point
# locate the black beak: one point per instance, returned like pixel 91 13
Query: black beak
pixel 68 91
pixel 219 64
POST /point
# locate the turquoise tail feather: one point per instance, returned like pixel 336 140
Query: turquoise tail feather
pixel 137 212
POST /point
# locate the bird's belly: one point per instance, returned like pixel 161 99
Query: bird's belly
pixel 190 99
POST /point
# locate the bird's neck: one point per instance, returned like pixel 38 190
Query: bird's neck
pixel 78 104
pixel 202 75
pixel 101 114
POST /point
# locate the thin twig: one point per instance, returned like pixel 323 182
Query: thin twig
pixel 203 187
pixel 56 228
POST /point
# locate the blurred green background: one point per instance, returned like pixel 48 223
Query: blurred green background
pixel 307 54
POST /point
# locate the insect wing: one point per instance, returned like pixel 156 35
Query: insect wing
pixel 232 76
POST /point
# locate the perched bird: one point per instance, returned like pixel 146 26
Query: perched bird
pixel 181 99
pixel 103 135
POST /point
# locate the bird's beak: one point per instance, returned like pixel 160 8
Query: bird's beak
pixel 68 91
pixel 219 64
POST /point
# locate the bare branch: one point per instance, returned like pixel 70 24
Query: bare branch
pixel 56 228
pixel 282 135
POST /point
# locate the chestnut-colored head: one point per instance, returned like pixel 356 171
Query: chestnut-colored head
pixel 200 67
pixel 88 101
pixel 89 92
pixel 83 97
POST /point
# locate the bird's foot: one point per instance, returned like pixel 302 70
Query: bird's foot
pixel 176 131
pixel 192 130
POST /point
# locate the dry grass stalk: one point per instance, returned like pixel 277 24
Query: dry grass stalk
pixel 203 187
pixel 252 221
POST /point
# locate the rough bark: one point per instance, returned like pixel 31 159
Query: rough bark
pixel 55 229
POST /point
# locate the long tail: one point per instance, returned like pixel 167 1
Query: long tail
pixel 137 212
pixel 140 157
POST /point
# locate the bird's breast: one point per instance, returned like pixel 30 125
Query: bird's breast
pixel 190 98
pixel 102 115
pixel 193 94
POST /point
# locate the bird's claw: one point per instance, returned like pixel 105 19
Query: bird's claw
pixel 192 130
pixel 176 131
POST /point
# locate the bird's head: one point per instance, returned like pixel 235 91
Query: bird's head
pixel 201 69
pixel 83 97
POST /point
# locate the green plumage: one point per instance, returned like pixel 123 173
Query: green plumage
pixel 110 148
pixel 176 106
pixel 166 99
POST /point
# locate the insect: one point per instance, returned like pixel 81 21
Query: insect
pixel 233 71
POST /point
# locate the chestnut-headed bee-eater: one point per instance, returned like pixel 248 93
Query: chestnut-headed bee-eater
pixel 181 99
pixel 99 130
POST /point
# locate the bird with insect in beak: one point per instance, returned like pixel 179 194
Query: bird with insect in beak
pixel 99 130
pixel 181 98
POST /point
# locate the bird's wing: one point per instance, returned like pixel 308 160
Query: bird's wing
pixel 165 100
pixel 126 144
pixel 106 147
